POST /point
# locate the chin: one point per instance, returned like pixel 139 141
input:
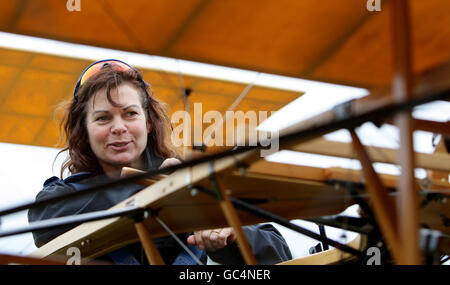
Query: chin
pixel 123 160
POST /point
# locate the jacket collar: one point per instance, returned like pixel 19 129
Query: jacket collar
pixel 151 161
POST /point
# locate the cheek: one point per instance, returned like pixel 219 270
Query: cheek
pixel 97 136
pixel 139 130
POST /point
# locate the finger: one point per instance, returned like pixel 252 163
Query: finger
pixel 198 240
pixel 173 161
pixel 169 162
pixel 206 239
pixel 215 239
pixel 213 236
pixel 221 238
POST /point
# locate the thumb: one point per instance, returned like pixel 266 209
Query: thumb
pixel 191 240
pixel 231 236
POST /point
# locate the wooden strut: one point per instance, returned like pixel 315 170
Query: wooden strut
pixel 6 259
pixel 440 175
pixel 436 161
pixel 402 81
pixel 428 126
pixel 384 209
pixel 231 216
pixel 233 220
pixel 152 253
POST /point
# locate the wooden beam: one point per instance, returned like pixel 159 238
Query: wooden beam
pixel 402 83
pixel 6 259
pixel 128 171
pixel 433 81
pixel 227 208
pixel 438 175
pixel 233 220
pixel 384 209
pixel 287 170
pixel 428 126
pixel 431 126
pixel 150 249
pixel 275 169
pixel 436 161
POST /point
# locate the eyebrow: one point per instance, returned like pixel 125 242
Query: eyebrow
pixel 124 109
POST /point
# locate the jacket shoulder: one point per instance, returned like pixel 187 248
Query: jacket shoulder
pixel 77 177
pixel 71 179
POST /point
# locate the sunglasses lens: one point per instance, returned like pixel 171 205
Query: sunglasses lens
pixel 99 65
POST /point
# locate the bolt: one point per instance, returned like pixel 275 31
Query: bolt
pixel 85 242
pixel 194 192
pixel 337 186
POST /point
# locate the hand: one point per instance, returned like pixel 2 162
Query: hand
pixel 212 239
pixel 169 162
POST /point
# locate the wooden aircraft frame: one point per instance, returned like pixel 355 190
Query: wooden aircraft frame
pixel 398 223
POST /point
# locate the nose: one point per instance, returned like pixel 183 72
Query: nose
pixel 118 127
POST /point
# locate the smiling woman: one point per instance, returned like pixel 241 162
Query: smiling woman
pixel 113 105
pixel 113 121
pixel 117 134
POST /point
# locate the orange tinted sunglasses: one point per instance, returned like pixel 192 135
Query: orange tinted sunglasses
pixel 95 67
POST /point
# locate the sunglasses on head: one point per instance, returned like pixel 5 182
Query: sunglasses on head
pixel 95 67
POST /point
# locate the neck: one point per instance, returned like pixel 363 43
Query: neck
pixel 114 171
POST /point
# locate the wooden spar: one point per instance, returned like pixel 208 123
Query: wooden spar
pixel 428 126
pixel 127 171
pixel 152 253
pixel 426 84
pixel 6 259
pixel 384 209
pixel 431 126
pixel 439 175
pixel 228 210
pixel 270 168
pixel 150 249
pixel 402 83
pixel 233 220
pixel 437 161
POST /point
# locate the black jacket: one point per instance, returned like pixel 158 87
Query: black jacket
pixel 267 243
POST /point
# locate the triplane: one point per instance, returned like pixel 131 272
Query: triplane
pixel 407 219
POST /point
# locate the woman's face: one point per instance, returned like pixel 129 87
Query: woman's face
pixel 117 135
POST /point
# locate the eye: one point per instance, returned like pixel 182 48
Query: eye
pixel 101 118
pixel 131 113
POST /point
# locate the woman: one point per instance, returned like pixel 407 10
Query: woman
pixel 114 121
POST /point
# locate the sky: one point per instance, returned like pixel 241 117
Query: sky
pixel 25 168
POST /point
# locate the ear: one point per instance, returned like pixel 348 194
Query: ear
pixel 149 127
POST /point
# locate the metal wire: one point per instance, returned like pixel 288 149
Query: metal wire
pixel 178 240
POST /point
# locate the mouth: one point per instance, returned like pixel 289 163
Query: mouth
pixel 117 146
